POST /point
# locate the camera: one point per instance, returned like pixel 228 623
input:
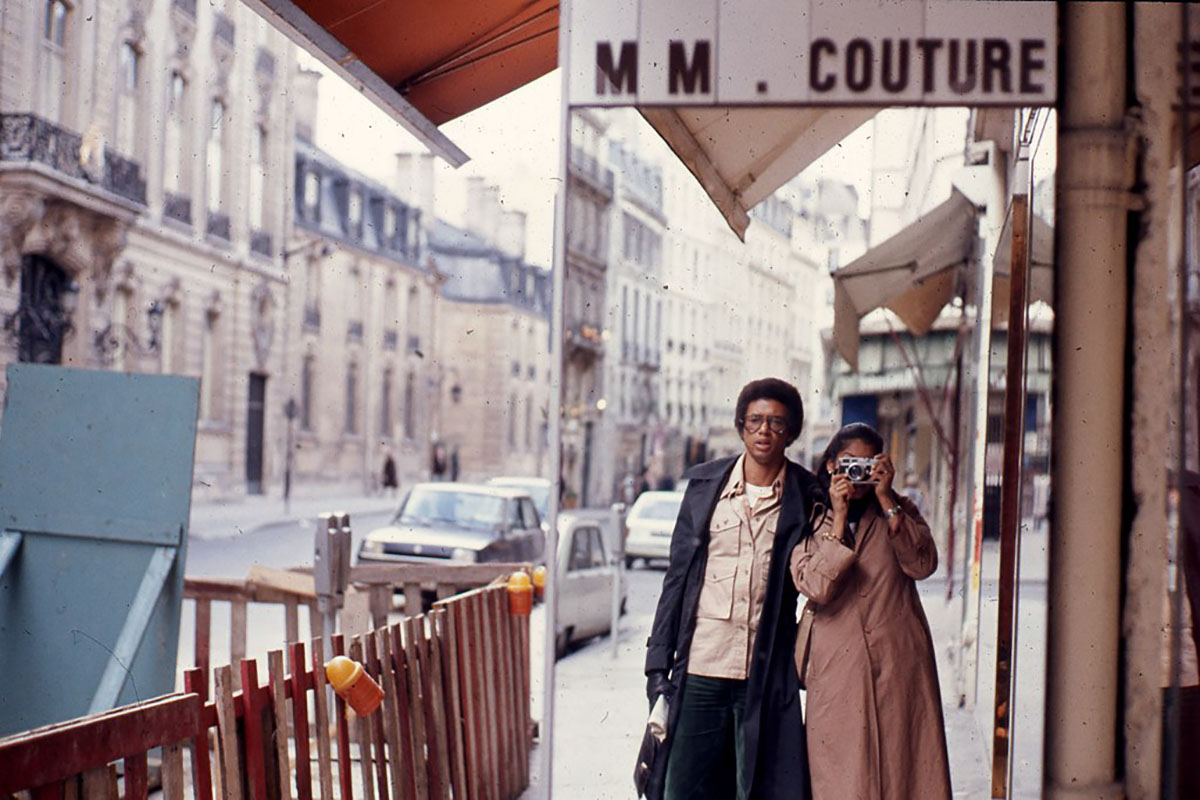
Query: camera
pixel 858 470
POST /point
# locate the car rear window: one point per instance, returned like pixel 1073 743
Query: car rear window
pixel 658 508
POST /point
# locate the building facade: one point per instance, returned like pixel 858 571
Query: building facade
pixel 142 223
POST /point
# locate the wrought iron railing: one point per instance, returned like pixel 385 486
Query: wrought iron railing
pixel 28 137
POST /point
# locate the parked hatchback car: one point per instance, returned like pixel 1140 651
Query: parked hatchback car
pixel 537 488
pixel 650 522
pixel 587 570
pixel 459 522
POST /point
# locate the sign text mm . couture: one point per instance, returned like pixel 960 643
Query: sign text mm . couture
pixel 813 52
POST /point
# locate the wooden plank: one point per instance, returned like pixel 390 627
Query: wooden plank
pixel 231 783
pixel 277 679
pixel 438 700
pixel 379 600
pixel 526 692
pixel 391 733
pixel 321 720
pixel 224 589
pixel 137 779
pixel 403 709
pixel 137 619
pixel 468 646
pixel 51 791
pixel 413 604
pixel 291 625
pixel 172 772
pixel 508 694
pixel 296 584
pixel 457 574
pixel 71 788
pixel 196 681
pixel 343 731
pixel 96 785
pixel 300 681
pixel 371 665
pixel 56 752
pixel 316 622
pixel 253 703
pixel 448 635
pixel 203 637
pixel 488 679
pixel 518 684
pixel 416 708
pixel 362 726
pixel 237 637
pixel 437 786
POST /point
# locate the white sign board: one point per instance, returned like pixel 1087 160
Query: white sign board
pixel 812 52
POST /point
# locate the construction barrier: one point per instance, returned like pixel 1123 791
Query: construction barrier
pixel 455 722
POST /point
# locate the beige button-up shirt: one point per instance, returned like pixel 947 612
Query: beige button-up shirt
pixel 735 579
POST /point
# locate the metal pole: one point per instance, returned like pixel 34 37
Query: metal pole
pixel 1011 483
pixel 556 404
pixel 618 515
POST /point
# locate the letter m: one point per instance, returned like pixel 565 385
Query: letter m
pixel 689 74
pixel 620 77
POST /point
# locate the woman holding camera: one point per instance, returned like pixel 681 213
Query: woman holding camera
pixel 874 711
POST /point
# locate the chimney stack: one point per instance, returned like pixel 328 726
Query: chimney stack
pixel 510 239
pixel 304 104
pixel 415 183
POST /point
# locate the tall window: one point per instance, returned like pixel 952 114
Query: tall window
pixel 216 152
pixel 54 58
pixel 307 378
pixel 529 422
pixel 168 339
pixel 352 398
pixel 410 412
pixel 128 89
pixel 385 405
pixel 414 316
pixel 209 406
pixel 512 420
pixel 258 176
pixel 174 176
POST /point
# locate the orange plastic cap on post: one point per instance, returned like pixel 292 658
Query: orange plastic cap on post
pixel 353 684
pixel 539 581
pixel 520 594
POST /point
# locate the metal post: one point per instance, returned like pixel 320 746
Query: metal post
pixel 618 515
pixel 556 406
pixel 1012 483
pixel 289 411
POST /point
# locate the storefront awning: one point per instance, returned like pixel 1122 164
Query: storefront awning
pixel 426 63
pixel 742 155
pixel 914 273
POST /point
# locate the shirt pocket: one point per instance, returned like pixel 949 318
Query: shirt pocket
pixel 716 597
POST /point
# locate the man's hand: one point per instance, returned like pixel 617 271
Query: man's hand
pixel 882 472
pixel 658 683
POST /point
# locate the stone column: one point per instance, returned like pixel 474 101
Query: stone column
pixel 1084 604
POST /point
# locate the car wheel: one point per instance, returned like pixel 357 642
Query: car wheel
pixel 562 643
pixel 624 604
pixel 628 562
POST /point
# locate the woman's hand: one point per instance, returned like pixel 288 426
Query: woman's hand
pixel 883 472
pixel 839 494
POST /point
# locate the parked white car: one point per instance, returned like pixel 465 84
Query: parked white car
pixel 650 523
pixel 586 572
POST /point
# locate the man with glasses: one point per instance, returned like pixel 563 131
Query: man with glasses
pixel 721 649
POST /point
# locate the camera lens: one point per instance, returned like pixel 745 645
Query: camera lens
pixel 855 472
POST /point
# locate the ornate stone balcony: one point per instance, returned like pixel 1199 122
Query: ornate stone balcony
pixel 177 207
pixel 260 242
pixel 28 137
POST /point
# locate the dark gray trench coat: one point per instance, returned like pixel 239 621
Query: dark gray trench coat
pixel 774 728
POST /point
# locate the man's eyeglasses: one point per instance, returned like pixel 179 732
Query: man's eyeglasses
pixel 754 423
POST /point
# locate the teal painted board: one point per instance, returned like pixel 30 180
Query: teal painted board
pixel 96 474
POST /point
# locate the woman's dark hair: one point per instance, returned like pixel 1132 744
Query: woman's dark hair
pixel 771 389
pixel 854 432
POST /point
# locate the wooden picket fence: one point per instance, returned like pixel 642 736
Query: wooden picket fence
pixel 455 722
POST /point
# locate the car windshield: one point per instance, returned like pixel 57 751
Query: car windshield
pixel 658 508
pixel 540 495
pixel 461 509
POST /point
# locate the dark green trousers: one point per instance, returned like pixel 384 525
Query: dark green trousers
pixel 707 759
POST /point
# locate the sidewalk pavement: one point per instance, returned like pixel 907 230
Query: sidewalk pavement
pixel 600 712
pixel 221 520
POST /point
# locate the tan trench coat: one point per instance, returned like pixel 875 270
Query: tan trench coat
pixel 874 711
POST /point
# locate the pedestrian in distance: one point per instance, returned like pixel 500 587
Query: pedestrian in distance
pixel 388 479
pixel 721 647
pixel 874 711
